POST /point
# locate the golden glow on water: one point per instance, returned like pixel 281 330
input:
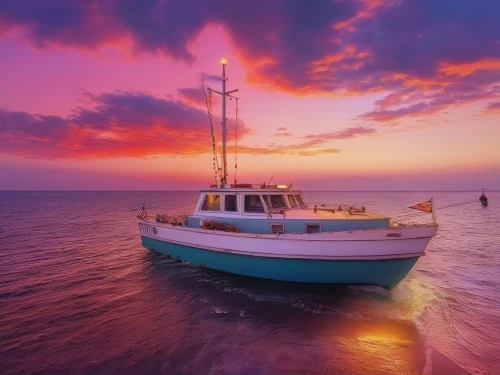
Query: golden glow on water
pixel 371 341
pixel 386 348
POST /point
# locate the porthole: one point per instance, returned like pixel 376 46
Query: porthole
pixel 155 231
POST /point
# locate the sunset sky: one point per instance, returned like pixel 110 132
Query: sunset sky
pixel 334 94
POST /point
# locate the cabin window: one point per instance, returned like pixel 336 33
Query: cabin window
pixel 211 203
pixel 275 201
pixel 230 203
pixel 313 228
pixel 253 204
pixel 300 201
pixel 277 228
pixel 292 201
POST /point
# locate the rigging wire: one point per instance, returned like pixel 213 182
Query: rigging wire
pixel 437 208
pixel 409 215
pixel 208 101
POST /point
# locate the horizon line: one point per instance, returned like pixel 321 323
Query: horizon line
pixel 197 190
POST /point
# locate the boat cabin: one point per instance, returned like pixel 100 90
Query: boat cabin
pixel 230 202
pixel 274 210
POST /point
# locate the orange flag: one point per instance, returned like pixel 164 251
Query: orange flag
pixel 425 206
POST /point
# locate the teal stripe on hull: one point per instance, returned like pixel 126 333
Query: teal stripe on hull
pixel 386 272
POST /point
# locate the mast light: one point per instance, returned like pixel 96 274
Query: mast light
pixel 223 61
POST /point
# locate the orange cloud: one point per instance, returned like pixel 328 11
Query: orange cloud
pixel 127 124
pixel 464 69
pixel 122 124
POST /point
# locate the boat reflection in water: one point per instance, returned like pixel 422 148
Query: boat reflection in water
pixel 243 325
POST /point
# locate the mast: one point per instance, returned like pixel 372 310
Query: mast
pixel 224 130
pixel 224 93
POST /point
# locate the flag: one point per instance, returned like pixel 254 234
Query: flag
pixel 424 206
pixel 143 214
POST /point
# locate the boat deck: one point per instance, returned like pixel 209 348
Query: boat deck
pixel 296 221
pixel 323 214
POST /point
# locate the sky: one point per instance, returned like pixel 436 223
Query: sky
pixel 333 94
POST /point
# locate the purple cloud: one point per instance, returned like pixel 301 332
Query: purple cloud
pixel 120 124
pixel 342 134
pixel 210 77
pixel 126 124
pixel 436 50
pixel 192 95
pixel 282 132
pixel 258 26
pixel 409 102
pixel 492 109
pixel 35 126
pixel 138 109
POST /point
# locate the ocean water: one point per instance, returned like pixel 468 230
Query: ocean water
pixel 80 295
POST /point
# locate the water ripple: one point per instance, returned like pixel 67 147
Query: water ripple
pixel 80 295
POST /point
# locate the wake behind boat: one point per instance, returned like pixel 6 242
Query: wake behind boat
pixel 269 231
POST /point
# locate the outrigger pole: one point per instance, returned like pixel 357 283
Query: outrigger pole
pixel 224 94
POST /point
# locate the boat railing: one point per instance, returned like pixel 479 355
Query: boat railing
pixel 255 186
pixel 179 220
pixel 336 208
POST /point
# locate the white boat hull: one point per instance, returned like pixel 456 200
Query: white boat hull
pixel 374 256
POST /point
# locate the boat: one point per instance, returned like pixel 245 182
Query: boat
pixel 483 199
pixel 270 231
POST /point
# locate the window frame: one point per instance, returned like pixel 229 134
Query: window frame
pixel 236 202
pixel 205 198
pixel 292 196
pixel 300 200
pixel 270 206
pixel 264 207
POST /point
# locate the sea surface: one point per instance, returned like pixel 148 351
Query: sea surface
pixel 80 295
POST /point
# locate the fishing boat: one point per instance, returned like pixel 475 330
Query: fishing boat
pixel 269 231
pixel 483 199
